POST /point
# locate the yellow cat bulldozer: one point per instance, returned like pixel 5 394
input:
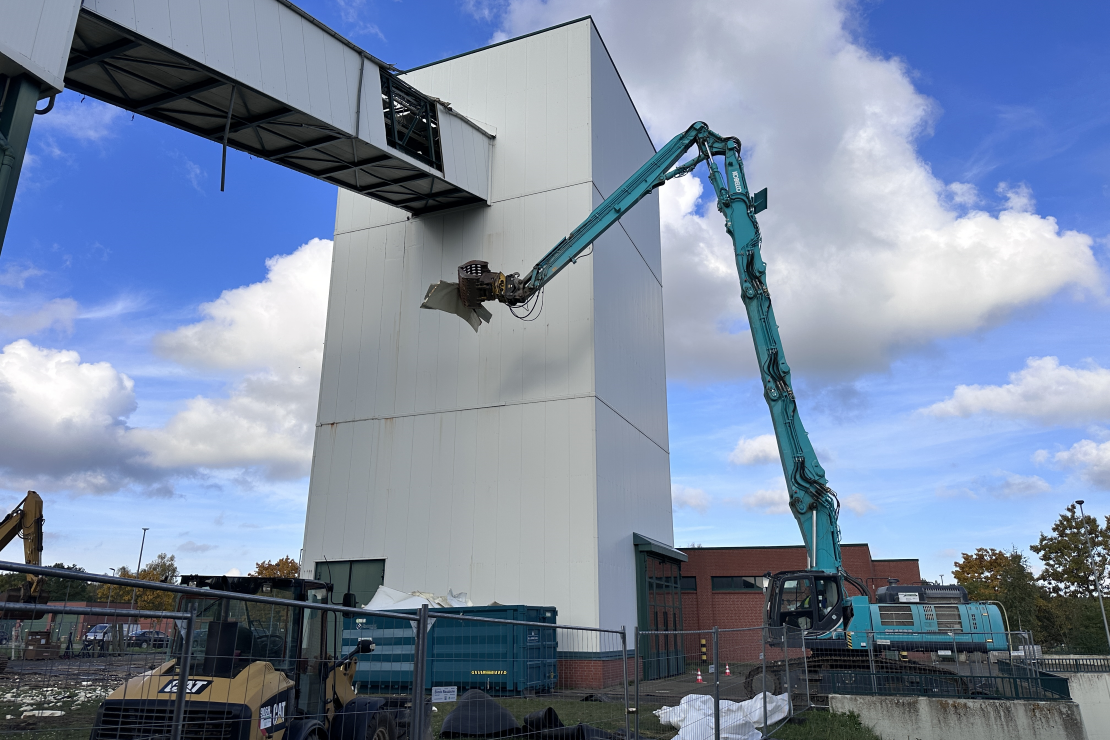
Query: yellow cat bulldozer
pixel 258 671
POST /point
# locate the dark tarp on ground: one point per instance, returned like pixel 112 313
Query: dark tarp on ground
pixel 478 715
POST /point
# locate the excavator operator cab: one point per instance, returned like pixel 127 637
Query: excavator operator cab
pixel 812 601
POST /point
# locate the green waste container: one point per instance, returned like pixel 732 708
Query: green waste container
pixel 500 659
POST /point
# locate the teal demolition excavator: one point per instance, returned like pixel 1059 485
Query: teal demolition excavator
pixel 815 602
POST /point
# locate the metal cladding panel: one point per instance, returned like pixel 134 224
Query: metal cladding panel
pixel 377 492
pixel 533 93
pixel 620 147
pixel 628 334
pixel 261 43
pixel 466 153
pixel 633 495
pixel 35 37
pixel 385 356
pixel 633 479
pixel 244 28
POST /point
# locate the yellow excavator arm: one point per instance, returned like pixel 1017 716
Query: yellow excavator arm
pixel 25 521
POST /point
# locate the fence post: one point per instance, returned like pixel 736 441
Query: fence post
pixel 763 659
pixel 624 672
pixel 871 661
pixel 639 671
pixel 419 656
pixel 805 672
pixel 183 676
pixel 786 659
pixel 716 685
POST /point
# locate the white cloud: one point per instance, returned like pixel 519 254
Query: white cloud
pixel 1044 391
pixel 755 451
pixel 271 335
pixel 191 546
pixel 89 122
pixel 14 275
pixel 857 503
pixel 65 421
pixel 352 12
pixel 58 313
pixel 869 253
pixel 1001 484
pixel 1020 486
pixel 768 501
pixel 684 497
pixel 1091 459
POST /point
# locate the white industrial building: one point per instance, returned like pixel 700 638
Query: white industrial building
pixel 525 464
pixel 515 464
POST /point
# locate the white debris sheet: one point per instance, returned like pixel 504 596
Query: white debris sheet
pixel 389 599
pixel 694 717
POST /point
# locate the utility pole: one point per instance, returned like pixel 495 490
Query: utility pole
pixel 1098 575
pixel 138 568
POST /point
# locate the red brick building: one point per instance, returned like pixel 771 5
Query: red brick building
pixel 723 586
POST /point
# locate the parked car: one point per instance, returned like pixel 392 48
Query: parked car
pixel 148 638
pixel 98 632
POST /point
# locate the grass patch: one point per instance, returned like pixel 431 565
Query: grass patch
pixel 827 726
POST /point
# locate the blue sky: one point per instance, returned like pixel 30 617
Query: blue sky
pixel 908 240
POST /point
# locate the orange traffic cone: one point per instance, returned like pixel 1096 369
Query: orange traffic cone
pixel 699 676
pixel 727 671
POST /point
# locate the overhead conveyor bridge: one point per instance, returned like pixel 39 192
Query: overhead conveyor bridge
pixel 260 76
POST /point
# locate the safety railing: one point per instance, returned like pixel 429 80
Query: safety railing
pixel 1066 663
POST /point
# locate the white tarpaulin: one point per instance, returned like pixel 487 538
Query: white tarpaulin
pixel 388 599
pixel 694 717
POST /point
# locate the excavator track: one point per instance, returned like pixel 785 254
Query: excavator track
pixel 809 678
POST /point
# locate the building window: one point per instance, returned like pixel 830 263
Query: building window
pixel 738 583
pixel 689 583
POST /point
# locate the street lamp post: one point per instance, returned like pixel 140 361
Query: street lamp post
pixel 138 567
pixel 1098 575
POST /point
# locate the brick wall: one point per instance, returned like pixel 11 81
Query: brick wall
pixel 704 608
pixel 589 673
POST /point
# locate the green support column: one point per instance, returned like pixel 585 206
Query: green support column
pixel 15 128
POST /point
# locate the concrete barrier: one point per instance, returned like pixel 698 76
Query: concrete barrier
pixel 918 718
pixel 1091 691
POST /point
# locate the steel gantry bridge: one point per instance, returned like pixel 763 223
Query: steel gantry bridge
pixel 260 76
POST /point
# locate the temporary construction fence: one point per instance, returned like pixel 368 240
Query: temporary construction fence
pixel 709 683
pixel 252 664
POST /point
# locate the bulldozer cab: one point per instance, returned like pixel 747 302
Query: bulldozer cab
pixel 231 634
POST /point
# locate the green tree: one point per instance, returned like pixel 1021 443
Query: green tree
pixel 286 567
pixel 1070 566
pixel 996 575
pixel 59 589
pixel 163 569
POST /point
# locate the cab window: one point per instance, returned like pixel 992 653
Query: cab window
pixel 797 603
pixel 828 596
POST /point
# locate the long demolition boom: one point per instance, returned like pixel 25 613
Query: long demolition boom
pixel 813 504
